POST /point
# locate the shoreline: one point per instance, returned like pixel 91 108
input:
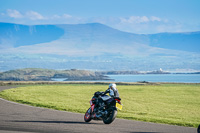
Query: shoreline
pixel 6 83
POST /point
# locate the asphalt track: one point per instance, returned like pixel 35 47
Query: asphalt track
pixel 19 118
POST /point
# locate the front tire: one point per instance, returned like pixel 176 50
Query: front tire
pixel 110 117
pixel 87 116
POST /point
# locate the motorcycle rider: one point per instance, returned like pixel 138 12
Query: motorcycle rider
pixel 113 92
pixel 104 107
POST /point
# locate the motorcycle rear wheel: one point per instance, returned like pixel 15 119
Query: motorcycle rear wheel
pixel 87 116
pixel 110 117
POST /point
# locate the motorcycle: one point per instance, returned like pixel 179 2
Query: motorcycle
pixel 103 107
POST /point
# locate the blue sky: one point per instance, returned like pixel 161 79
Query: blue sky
pixel 136 16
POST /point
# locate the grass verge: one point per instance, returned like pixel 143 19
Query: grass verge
pixel 176 104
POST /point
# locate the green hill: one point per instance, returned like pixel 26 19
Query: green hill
pixel 37 74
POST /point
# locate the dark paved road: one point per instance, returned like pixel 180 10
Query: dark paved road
pixel 19 118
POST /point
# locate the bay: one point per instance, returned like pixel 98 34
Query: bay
pixel 58 79
pixel 181 78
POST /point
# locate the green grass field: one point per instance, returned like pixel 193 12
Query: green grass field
pixel 176 104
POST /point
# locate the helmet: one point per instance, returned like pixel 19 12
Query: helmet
pixel 113 86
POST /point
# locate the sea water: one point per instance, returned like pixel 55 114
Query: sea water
pixel 181 78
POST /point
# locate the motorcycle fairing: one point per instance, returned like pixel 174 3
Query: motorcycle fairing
pixel 105 97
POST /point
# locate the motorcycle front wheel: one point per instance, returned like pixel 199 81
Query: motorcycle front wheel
pixel 87 116
pixel 110 117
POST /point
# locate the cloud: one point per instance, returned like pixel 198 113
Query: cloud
pixel 14 13
pixel 64 16
pixel 67 16
pixel 135 24
pixel 34 15
pixel 31 17
pixel 147 24
pixel 175 27
pixel 153 18
pixel 69 19
pixel 139 19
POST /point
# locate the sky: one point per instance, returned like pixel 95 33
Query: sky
pixel 135 16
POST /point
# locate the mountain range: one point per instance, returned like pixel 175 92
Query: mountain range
pixel 95 46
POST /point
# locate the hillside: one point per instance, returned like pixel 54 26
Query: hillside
pixel 188 41
pixel 86 35
pixel 36 74
pixel 15 35
pixel 95 46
